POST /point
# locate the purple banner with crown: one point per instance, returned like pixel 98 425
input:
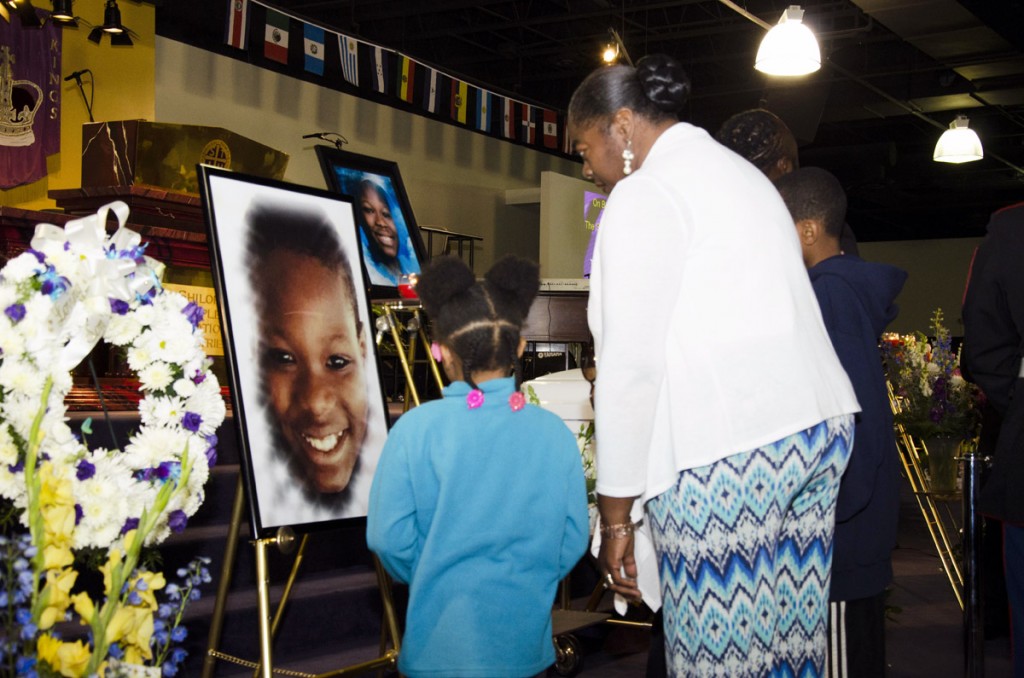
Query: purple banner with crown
pixel 29 99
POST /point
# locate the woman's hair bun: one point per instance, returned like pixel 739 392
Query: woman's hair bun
pixel 442 279
pixel 517 280
pixel 664 82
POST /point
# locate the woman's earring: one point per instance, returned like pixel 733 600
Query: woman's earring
pixel 627 158
pixel 435 351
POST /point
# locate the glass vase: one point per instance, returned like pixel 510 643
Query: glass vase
pixel 943 463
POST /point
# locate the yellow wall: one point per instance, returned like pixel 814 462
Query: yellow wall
pixel 124 89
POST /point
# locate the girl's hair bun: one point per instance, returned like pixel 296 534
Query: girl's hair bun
pixel 517 281
pixel 442 279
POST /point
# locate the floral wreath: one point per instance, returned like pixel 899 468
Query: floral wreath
pixel 72 288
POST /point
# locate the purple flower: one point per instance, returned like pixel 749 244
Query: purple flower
pixel 130 525
pixel 40 257
pixel 53 284
pixel 177 520
pixel 85 470
pixel 15 312
pixel 194 312
pixel 79 513
pixel 119 307
pixel 191 421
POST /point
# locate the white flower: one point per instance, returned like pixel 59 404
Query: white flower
pixel 156 376
pixel 122 329
pixel 22 267
pixel 184 387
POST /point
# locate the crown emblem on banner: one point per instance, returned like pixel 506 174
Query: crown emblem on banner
pixel 19 102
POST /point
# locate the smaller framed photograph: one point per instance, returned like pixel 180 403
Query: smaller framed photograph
pixel 389 238
pixel 298 341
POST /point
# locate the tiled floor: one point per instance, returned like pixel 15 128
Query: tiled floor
pixel 924 635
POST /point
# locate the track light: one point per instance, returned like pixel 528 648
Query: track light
pixel 958 144
pixel 25 11
pixel 112 26
pixel 790 47
pixel 614 49
pixel 62 13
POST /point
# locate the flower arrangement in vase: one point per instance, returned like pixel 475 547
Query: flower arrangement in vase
pixel 934 403
pixel 73 288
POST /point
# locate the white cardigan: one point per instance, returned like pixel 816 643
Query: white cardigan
pixel 708 336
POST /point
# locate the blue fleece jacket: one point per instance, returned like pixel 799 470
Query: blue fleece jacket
pixel 482 512
pixel 857 303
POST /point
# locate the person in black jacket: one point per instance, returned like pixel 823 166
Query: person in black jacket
pixel 993 314
pixel 857 303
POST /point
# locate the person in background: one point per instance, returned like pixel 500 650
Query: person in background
pixel 312 359
pixel 993 314
pixel 764 139
pixel 480 502
pixel 857 301
pixel 720 403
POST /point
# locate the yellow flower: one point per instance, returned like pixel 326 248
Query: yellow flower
pixel 154 581
pixel 84 606
pixel 56 557
pixel 132 627
pixel 58 523
pixel 56 596
pixel 67 659
pixel 113 561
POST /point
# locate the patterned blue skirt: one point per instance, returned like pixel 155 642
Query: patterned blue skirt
pixel 745 557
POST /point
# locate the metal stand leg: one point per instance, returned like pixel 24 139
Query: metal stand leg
pixel 263 594
pixel 974 628
pixel 226 569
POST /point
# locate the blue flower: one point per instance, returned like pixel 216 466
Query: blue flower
pixel 119 307
pixel 177 520
pixel 15 312
pixel 194 312
pixel 116 651
pixel 53 284
pixel 85 469
pixel 191 421
pixel 179 633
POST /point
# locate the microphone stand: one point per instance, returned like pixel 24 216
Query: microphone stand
pixel 338 141
pixel 92 91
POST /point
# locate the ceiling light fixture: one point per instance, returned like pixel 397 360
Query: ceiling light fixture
pixel 614 49
pixel 958 144
pixel 790 47
pixel 25 11
pixel 112 26
pixel 62 13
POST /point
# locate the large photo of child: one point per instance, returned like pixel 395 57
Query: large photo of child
pixel 307 389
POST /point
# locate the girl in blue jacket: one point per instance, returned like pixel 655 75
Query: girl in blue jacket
pixel 479 501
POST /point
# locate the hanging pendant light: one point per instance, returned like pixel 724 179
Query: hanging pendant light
pixel 112 18
pixel 958 144
pixel 62 13
pixel 790 47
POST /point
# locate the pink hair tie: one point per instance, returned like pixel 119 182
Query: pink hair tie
pixel 517 401
pixel 474 399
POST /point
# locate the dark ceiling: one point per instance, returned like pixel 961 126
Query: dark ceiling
pixel 895 73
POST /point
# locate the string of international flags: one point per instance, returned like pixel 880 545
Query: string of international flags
pixel 334 56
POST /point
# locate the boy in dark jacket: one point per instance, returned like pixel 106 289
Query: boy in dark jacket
pixel 856 299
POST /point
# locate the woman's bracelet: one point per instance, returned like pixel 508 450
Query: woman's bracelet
pixel 619 531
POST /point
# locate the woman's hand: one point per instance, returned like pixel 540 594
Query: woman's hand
pixel 615 560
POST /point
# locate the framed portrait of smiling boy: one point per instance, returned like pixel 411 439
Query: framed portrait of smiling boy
pixel 389 237
pixel 305 379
